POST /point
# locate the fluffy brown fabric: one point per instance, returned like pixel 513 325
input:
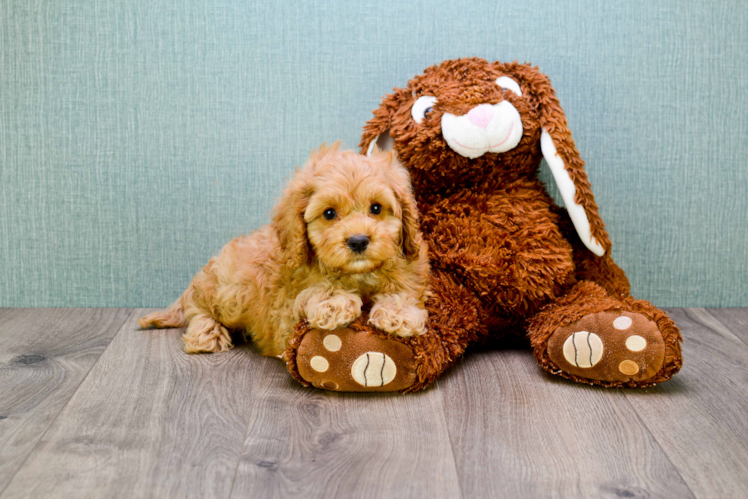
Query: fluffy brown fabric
pixel 505 259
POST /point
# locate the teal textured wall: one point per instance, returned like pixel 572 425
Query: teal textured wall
pixel 136 138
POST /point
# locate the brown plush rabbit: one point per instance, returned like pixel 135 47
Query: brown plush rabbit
pixel 506 261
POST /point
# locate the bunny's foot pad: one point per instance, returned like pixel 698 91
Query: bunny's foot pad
pixel 350 360
pixel 609 346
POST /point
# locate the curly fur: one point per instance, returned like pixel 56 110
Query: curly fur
pixel 300 267
pixel 506 261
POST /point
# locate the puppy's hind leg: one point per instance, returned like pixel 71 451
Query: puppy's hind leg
pixel 171 317
pixel 205 334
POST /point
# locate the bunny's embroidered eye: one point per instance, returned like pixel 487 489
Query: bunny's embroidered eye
pixel 376 208
pixel 507 83
pixel 329 214
pixel 423 106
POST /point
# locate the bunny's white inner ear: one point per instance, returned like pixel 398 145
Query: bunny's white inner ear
pixel 384 142
pixel 568 190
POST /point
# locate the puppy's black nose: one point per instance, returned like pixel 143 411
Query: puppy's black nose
pixel 358 243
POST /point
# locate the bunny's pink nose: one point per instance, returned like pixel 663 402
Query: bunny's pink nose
pixel 481 115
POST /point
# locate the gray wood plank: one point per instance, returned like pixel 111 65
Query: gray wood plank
pixel 308 443
pixel 519 432
pixel 149 421
pixel 45 355
pixel 700 418
pixel 714 325
pixel 736 319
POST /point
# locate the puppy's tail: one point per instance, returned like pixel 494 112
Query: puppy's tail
pixel 171 317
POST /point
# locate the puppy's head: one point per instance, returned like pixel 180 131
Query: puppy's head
pixel 351 212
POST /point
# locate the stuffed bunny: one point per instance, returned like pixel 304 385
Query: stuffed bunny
pixel 506 260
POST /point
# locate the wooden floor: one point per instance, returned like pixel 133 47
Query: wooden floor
pixel 92 407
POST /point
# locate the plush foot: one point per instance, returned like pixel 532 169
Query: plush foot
pixel 351 360
pixel 609 346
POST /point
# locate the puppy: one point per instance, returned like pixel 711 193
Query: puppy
pixel 344 234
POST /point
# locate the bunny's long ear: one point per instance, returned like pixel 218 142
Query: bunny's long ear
pixel 567 167
pixel 377 130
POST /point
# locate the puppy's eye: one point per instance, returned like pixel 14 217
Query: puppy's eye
pixel 329 214
pixel 423 106
pixel 376 209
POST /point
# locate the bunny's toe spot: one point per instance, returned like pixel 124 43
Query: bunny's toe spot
pixel 628 367
pixel 622 322
pixel 319 364
pixel 332 343
pixel 636 343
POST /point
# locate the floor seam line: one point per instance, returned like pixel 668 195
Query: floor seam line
pixel 239 460
pixel 716 318
pixel 654 438
pixel 52 422
pixel 451 444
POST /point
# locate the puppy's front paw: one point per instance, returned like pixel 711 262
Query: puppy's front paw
pixel 204 334
pixel 398 315
pixel 333 311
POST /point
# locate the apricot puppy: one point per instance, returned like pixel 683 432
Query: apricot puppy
pixel 344 235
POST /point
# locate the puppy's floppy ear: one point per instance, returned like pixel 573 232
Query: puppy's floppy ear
pixel 399 180
pixel 563 159
pixel 288 219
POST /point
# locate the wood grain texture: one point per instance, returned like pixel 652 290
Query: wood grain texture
pixel 700 418
pixel 45 355
pixel 145 420
pixel 519 432
pixel 308 443
pixel 149 421
pixel 735 319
